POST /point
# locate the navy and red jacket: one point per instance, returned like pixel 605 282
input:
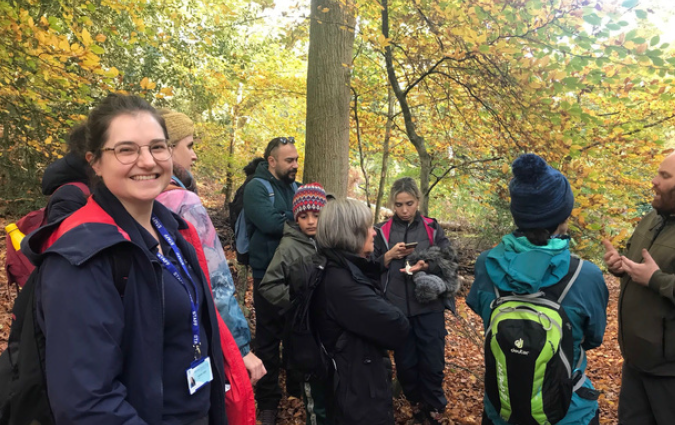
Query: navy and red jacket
pixel 104 351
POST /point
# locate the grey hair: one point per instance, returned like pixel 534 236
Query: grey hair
pixel 404 185
pixel 344 224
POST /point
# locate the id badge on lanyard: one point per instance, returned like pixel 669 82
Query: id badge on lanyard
pixel 199 373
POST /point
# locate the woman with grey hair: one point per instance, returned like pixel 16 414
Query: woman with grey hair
pixel 420 278
pixel 354 321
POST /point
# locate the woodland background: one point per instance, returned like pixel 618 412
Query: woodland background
pixel 446 91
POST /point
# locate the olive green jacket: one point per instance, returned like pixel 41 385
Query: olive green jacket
pixel 647 313
pixel 294 245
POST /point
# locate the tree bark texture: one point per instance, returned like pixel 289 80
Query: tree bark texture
pixel 331 42
pixel 418 141
pixel 385 151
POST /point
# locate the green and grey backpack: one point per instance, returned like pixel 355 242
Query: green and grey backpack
pixel 528 353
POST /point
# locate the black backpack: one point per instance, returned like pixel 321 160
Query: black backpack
pixel 23 387
pixel 303 350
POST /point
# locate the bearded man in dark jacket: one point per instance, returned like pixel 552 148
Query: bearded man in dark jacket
pixel 265 228
pixel 647 309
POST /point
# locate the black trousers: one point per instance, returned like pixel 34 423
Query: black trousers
pixel 421 361
pixel 646 399
pixel 269 327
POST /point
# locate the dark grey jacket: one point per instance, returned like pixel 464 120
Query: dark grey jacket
pixel 647 313
pixel 398 287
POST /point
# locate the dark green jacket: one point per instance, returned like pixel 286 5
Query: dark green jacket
pixel 294 245
pixel 264 221
pixel 647 314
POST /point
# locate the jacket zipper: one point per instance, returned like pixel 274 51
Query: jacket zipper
pixel 407 277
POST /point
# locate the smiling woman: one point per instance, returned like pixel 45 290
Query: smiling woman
pixel 157 347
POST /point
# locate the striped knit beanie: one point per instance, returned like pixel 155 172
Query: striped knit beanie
pixel 309 197
pixel 178 125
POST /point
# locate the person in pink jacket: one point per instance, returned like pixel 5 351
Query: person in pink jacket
pixel 181 197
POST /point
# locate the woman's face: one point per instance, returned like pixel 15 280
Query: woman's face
pixel 369 245
pixel 405 206
pixel 139 183
pixel 184 154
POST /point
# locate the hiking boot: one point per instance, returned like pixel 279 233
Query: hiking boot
pixel 433 417
pixel 268 417
pixel 419 416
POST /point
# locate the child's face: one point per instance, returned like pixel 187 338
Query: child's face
pixel 307 221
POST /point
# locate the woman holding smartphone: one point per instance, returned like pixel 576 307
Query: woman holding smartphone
pixel 421 360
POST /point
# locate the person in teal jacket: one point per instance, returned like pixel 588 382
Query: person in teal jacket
pixel 265 227
pixel 536 255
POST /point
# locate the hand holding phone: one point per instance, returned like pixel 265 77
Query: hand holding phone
pixel 409 245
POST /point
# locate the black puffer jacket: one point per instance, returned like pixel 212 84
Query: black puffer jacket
pixel 398 287
pixel 63 202
pixel 357 325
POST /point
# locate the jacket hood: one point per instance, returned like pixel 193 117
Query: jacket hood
pixel 93 223
pixel 65 238
pixel 64 170
pixel 251 167
pixel 263 172
pixel 518 266
pixel 292 230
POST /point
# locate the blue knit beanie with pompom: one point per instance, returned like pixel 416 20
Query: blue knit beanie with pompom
pixel 541 197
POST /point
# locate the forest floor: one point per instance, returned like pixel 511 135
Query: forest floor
pixel 464 356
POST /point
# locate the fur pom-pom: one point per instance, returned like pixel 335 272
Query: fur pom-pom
pixel 428 287
pixel 528 167
pixel 446 259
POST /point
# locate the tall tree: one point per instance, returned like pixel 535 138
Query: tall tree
pixel 331 41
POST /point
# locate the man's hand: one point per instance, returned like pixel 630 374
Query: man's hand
pixel 254 366
pixel 640 272
pixel 612 258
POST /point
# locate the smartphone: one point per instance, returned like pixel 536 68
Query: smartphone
pixel 409 245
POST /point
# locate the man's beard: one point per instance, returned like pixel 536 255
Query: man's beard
pixel 666 203
pixel 289 176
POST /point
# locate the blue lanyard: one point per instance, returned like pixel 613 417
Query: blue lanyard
pixel 196 341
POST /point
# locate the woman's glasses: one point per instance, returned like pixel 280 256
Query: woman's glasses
pixel 128 152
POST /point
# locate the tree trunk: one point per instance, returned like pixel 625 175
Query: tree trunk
pixel 418 141
pixel 385 152
pixel 234 125
pixel 362 158
pixel 331 41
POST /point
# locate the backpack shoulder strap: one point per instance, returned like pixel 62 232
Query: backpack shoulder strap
pixel 573 278
pixel 559 291
pixel 268 186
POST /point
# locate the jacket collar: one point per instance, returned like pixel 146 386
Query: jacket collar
pixel 361 269
pixel 123 219
pixel 415 220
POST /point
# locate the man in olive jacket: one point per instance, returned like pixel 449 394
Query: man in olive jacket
pixel 265 226
pixel 647 309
